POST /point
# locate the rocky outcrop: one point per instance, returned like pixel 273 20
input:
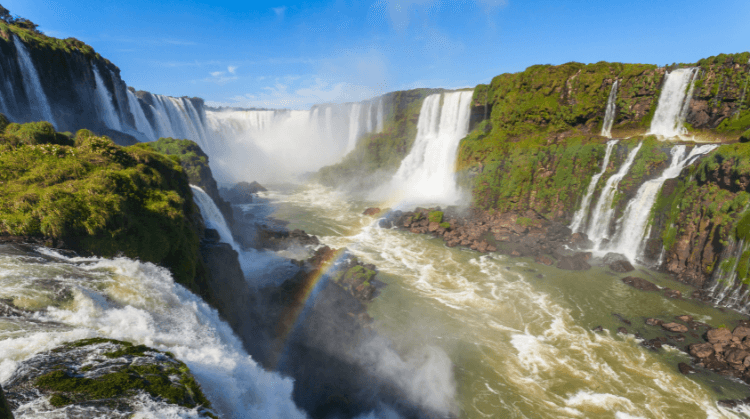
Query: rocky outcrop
pixel 5 411
pixel 726 352
pixel 94 377
pixel 242 192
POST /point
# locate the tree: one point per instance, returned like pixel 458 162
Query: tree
pixel 5 14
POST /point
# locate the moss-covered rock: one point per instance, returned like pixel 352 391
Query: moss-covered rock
pixel 195 163
pixel 107 374
pixel 745 137
pixel 102 199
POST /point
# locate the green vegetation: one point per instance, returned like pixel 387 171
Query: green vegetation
pixel 98 197
pixel 381 153
pixel 446 225
pixel 169 380
pixel 745 137
pixel 435 217
pixel 193 160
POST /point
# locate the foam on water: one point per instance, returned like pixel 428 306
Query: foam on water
pixel 139 302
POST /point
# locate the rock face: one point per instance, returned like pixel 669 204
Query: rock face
pixel 103 377
pixel 5 410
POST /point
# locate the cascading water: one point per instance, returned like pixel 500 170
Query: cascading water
pixel 632 232
pixel 725 290
pixel 379 124
pixel 136 302
pixel 141 122
pixel 213 217
pixel 107 112
pixel 609 114
pixel 579 219
pixel 354 132
pixel 602 216
pixel 427 174
pixel 674 103
pixel 32 85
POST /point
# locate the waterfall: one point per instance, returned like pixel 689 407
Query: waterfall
pixel 609 114
pixel 379 125
pixel 674 103
pixel 354 116
pixel 368 117
pixel 141 122
pixel 603 212
pixel 213 217
pixel 725 291
pixel 632 232
pixel 32 85
pixel 580 215
pixel 107 112
pixel 427 174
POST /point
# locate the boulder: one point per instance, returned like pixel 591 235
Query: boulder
pixel 611 258
pixel 371 211
pixel 721 336
pixel 685 368
pixel 242 192
pixel 736 357
pixel 621 266
pixel 622 330
pixel 675 327
pixel 684 318
pixel 670 293
pixel 741 332
pixel 640 283
pixel 654 322
pixel 577 262
pixel 544 260
pixel 580 241
pixel 701 350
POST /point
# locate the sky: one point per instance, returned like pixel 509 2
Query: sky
pixel 293 54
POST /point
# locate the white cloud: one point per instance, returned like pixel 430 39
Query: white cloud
pixel 232 69
pixel 217 73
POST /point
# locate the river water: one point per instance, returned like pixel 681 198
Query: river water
pixel 519 334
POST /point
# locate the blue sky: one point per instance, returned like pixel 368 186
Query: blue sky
pixel 294 54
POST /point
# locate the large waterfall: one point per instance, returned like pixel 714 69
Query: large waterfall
pixel 270 144
pixel 32 85
pixel 634 225
pixel 106 108
pixel 609 114
pixel 580 215
pixel 674 103
pixel 427 174
pixel 602 215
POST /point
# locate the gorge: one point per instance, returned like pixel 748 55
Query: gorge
pixel 422 253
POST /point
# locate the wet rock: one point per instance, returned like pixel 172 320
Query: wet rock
pixel 611 258
pixel 621 318
pixel 544 260
pixel 5 411
pixel 640 283
pixel 540 276
pixel 678 338
pixel 675 327
pixel 685 368
pixel 684 318
pixel 242 192
pixel 652 344
pixel 741 332
pixel 598 329
pixel 654 322
pixel 577 262
pixel 720 336
pixel 701 350
pixel 621 266
pixel 670 293
pixel 622 330
pixel 580 241
pixel 371 211
pixel 736 357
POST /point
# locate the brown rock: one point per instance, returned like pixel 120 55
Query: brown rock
pixel 482 246
pixel 573 263
pixel 515 253
pixel 640 283
pixel 701 350
pixel 685 318
pixel 544 260
pixel 621 266
pixel 721 336
pixel 675 327
pixel 741 332
pixel 654 322
pixel 622 330
pixel 371 211
pixel 736 356
pixel 670 293
pixel 433 227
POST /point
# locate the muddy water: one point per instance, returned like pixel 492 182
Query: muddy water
pixel 518 333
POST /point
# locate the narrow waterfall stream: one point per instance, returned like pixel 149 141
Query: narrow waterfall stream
pixel 674 102
pixel 609 115
pixel 107 112
pixel 579 218
pixel 32 85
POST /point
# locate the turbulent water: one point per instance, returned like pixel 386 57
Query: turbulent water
pixel 137 302
pixel 521 346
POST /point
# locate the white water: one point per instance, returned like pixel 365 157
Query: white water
pixel 107 112
pixel 32 85
pixel 632 232
pixel 427 174
pixel 674 103
pixel 213 217
pixel 281 144
pixel 579 218
pixel 137 302
pixel 379 123
pixel 725 291
pixel 141 122
pixel 609 114
pixel 603 212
